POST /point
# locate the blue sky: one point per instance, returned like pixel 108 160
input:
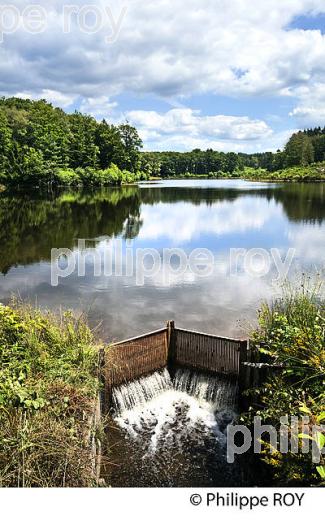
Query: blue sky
pixel 310 23
pixel 237 75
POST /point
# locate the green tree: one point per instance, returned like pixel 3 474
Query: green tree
pixel 319 147
pixel 299 150
pixel 109 142
pixel 48 132
pixel 83 151
pixel 5 143
pixel 131 147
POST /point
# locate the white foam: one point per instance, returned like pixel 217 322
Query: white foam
pixel 167 411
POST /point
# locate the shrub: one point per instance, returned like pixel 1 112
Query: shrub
pixel 67 177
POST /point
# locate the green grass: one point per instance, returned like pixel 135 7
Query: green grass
pixel 48 384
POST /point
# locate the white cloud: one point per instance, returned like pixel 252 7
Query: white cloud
pixel 195 125
pixel 52 96
pixel 98 107
pixel 311 107
pixel 186 129
pixel 222 218
pixel 171 50
pixel 309 244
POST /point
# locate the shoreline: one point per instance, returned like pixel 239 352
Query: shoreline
pixel 25 188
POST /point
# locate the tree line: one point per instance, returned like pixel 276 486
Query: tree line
pixel 303 148
pixel 40 144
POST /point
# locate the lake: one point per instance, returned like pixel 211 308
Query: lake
pixel 276 221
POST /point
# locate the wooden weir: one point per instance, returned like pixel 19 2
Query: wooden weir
pixel 172 347
pixel 136 357
pixel 207 352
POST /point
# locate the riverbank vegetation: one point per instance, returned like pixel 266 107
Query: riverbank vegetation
pixel 292 333
pixel 48 386
pixel 311 173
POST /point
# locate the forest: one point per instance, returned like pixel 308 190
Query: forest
pixel 303 149
pixel 43 145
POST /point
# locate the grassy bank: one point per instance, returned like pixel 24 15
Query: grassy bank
pixel 79 177
pixel 111 176
pixel 114 177
pixel 292 332
pixel 312 173
pixel 48 386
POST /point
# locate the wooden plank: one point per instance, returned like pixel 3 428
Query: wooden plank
pixel 209 335
pixel 207 352
pixel 135 358
pixel 130 340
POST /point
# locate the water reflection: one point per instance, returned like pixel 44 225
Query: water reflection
pixel 30 225
pixel 218 215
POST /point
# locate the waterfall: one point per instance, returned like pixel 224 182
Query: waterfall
pixel 212 389
pixel 204 388
pixel 139 392
pixel 164 410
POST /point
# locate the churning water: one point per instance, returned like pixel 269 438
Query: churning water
pixel 172 431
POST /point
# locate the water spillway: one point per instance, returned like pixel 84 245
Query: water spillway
pixel 139 392
pixel 220 392
pixel 172 431
pixel 202 388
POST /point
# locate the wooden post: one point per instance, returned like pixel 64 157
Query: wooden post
pixel 105 390
pixel 171 341
pixel 244 374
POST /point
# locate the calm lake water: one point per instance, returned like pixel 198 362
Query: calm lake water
pixel 215 215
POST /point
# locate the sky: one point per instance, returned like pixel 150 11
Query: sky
pixel 232 75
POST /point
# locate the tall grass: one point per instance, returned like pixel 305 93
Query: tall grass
pixel 48 383
pixel 292 332
pixel 293 328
